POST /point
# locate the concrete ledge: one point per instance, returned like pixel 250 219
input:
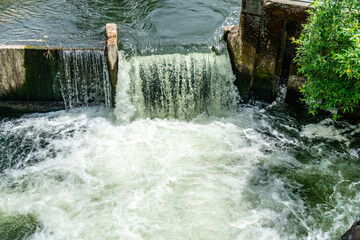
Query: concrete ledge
pixel 11 108
pixel 12 70
pixel 290 3
pixel 242 56
pixel 29 74
pixel 112 54
pixel 57 48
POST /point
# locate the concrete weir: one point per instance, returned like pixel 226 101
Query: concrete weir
pixel 28 75
pixel 260 47
pixel 27 79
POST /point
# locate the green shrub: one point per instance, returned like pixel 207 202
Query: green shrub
pixel 328 54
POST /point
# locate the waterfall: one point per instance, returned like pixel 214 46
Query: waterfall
pixel 175 85
pixel 84 78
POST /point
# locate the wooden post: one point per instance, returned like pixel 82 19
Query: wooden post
pixel 112 56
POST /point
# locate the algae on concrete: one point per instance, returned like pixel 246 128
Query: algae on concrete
pixel 40 76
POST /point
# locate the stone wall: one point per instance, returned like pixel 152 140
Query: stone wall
pixel 260 48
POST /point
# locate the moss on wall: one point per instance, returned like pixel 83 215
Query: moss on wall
pixel 265 86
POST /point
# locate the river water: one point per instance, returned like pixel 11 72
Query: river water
pixel 178 157
pixel 145 26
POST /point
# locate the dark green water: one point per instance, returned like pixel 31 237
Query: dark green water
pixel 144 25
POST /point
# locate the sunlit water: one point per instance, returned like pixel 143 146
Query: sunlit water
pixel 217 171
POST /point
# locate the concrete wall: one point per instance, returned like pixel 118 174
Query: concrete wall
pixel 260 48
pixel 28 79
pixel 12 70
pixel 28 75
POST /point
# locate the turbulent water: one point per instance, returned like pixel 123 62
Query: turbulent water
pixel 145 171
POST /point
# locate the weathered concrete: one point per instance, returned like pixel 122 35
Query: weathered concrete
pixel 260 47
pixel 28 74
pixel 12 70
pixel 28 79
pixel 242 44
pixel 112 54
pixel 242 56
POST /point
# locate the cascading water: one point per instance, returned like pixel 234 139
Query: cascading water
pixel 142 172
pixel 177 86
pixel 84 78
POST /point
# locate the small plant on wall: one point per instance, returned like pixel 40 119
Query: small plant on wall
pixel 328 54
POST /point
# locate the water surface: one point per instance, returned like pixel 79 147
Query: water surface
pixel 144 25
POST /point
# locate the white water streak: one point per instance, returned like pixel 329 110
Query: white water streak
pixel 84 78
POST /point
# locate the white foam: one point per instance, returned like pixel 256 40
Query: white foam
pixel 147 179
pixel 324 129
